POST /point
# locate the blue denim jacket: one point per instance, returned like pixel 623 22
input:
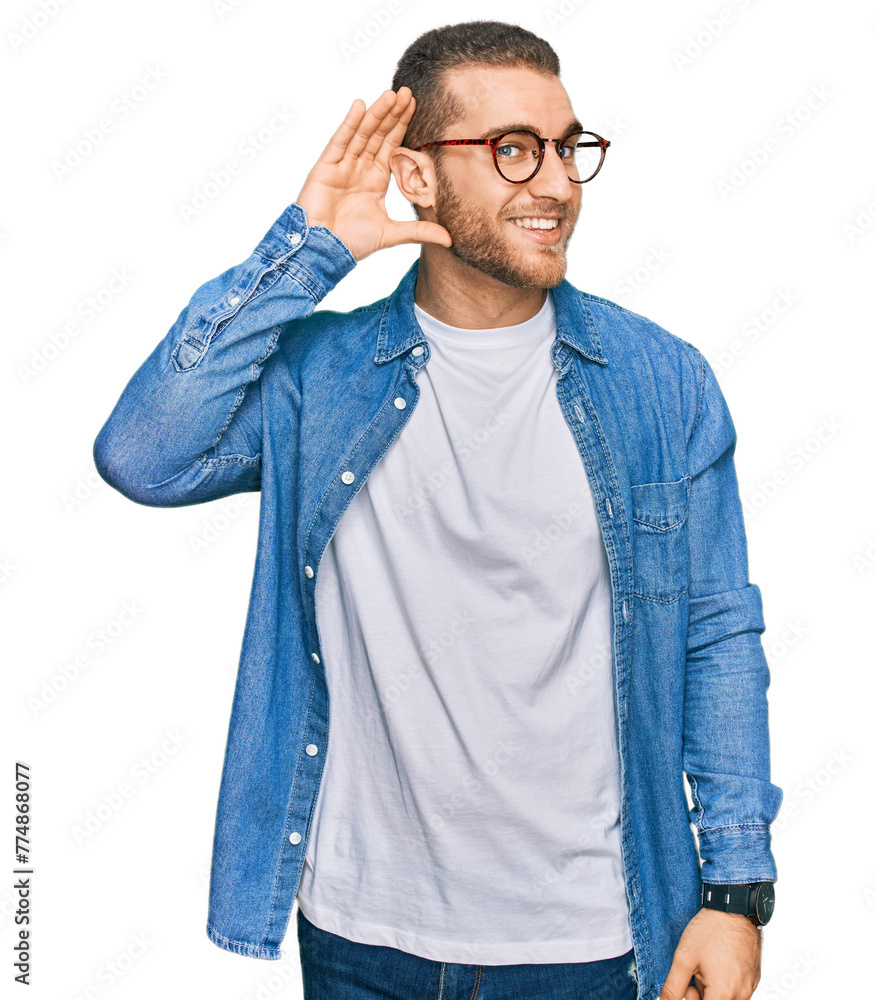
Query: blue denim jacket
pixel 252 389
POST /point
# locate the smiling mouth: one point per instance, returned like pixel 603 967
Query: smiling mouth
pixel 535 222
pixel 534 232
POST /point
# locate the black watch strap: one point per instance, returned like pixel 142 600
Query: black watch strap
pixel 729 898
pixel 750 899
pixel 755 900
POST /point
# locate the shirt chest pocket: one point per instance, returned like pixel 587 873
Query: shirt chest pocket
pixel 659 540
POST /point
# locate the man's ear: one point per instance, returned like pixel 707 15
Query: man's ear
pixel 415 175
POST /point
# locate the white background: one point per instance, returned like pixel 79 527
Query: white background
pixel 706 262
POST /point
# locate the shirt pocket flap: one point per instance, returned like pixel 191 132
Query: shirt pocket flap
pixel 662 506
pixel 659 540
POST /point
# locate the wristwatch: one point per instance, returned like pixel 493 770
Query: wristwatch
pixel 752 899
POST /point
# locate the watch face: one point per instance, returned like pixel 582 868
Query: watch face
pixel 765 903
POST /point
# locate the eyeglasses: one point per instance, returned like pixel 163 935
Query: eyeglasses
pixel 518 155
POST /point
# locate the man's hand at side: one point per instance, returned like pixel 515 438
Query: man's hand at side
pixel 346 189
pixel 722 950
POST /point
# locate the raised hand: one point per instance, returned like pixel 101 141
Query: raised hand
pixel 346 189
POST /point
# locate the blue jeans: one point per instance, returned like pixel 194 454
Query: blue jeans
pixel 334 968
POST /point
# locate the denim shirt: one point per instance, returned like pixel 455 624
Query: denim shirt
pixel 253 389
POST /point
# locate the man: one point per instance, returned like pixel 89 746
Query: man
pixel 515 505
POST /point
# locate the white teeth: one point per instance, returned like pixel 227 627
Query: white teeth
pixel 536 223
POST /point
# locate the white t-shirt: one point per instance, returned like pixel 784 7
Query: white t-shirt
pixel 469 808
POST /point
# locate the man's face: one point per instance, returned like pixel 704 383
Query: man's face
pixel 476 205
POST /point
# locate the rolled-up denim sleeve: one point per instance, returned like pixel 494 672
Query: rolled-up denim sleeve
pixel 726 754
pixel 188 425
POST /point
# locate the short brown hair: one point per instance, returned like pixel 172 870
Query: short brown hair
pixel 424 64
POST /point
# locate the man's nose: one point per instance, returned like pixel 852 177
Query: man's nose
pixel 552 180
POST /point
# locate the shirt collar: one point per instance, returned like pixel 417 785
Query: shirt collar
pixel 399 330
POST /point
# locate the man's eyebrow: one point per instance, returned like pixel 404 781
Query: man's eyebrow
pixel 523 126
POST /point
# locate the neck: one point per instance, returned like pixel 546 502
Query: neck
pixel 459 295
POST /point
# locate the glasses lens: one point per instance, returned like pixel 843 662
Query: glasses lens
pixel 517 155
pixel 582 153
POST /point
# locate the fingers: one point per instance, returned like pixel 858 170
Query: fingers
pixel 364 131
pixel 395 136
pixel 417 232
pixel 390 131
pixel 357 128
pixel 337 144
pixel 677 983
pixel 380 119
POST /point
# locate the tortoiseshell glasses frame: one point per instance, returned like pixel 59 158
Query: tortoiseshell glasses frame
pixel 496 142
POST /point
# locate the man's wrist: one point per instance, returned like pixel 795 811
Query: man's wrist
pixel 754 900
